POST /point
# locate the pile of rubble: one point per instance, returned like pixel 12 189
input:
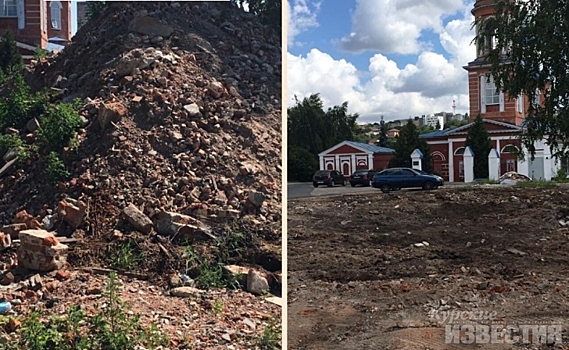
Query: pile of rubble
pixel 189 122
pixel 512 177
pixel 181 125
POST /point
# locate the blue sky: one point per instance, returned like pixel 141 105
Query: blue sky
pixel 396 58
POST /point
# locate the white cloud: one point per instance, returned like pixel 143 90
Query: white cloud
pixel 395 26
pixel 336 80
pixel 302 15
pixel 427 86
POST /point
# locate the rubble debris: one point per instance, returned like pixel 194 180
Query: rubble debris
pixel 14 229
pixel 516 252
pixel 179 115
pixel 257 283
pixel 137 219
pixel 41 251
pixel 239 273
pixel 185 292
pixel 72 211
pixel 512 177
pixel 22 217
pixel 181 226
pixel 5 307
pixel 5 241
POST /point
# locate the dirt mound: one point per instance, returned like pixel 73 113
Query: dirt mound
pixel 182 113
pixel 371 271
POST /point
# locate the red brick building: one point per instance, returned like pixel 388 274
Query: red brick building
pixel 503 115
pixel 349 156
pixel 447 148
pixel 35 22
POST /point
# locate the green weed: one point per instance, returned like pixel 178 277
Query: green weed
pixel 125 255
pixel 112 328
pixel 272 335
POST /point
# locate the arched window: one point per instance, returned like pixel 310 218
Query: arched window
pixel 510 149
pixel 459 151
pixel 55 13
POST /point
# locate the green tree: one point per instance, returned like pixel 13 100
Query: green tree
pixel 529 55
pixel 426 129
pixel 407 141
pixel 314 130
pixel 10 57
pixel 94 9
pixel 269 10
pixel 383 140
pixel 479 141
pixel 301 164
pixel 305 125
pixel 438 126
pixel 455 123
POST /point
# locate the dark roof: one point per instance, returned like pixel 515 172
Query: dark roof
pixel 371 148
pixel 442 133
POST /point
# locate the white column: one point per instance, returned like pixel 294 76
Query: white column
pixel 321 162
pixel 523 165
pixel 468 165
pixel 337 162
pixel 493 165
pixel 450 162
pixel 353 163
pixel 370 161
pixel 416 160
pixel 498 147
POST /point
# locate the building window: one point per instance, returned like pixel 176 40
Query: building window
pixel 492 94
pixel 510 149
pixel 8 8
pixel 459 151
pixel 55 12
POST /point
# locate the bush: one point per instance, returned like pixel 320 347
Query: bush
pixel 111 328
pixel 11 141
pixel 21 105
pixel 55 170
pixel 561 175
pixel 301 164
pixel 58 124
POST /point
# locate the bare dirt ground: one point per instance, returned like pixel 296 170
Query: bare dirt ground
pixel 358 279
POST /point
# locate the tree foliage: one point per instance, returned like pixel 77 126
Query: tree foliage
pixel 529 54
pixel 269 10
pixel 383 140
pixel 10 58
pixel 301 164
pixel 407 141
pixel 479 141
pixel 311 128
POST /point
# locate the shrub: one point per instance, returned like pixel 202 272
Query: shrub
pixel 55 170
pixel 112 328
pixel 58 124
pixel 11 141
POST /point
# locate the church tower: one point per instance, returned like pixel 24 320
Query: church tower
pixel 483 97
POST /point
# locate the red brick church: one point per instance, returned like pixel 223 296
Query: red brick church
pixel 503 116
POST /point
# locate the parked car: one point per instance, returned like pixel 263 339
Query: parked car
pixel 328 178
pixel 398 178
pixel 361 177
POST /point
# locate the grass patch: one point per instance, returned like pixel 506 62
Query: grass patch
pixel 125 255
pixel 272 335
pixel 536 184
pixel 207 271
pixel 111 328
pixel 487 182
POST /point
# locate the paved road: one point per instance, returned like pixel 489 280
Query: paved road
pixel 305 189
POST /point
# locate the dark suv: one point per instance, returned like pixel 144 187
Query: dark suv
pixel 361 177
pixel 328 178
